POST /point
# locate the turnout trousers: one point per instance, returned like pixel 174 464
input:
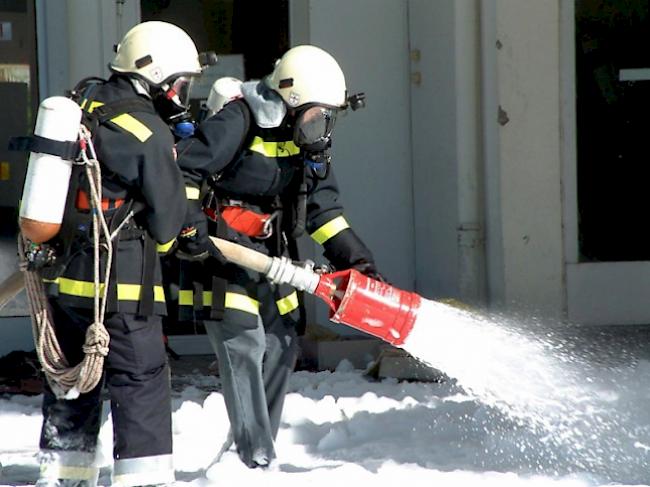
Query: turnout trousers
pixel 138 382
pixel 256 348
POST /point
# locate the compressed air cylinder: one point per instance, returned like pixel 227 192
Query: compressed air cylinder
pixel 48 176
pixel 223 90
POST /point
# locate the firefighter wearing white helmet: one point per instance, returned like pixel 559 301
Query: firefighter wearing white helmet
pixel 308 74
pixel 157 52
pixel 129 117
pixel 265 157
pixel 165 60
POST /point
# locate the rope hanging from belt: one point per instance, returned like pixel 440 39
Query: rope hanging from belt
pixel 66 381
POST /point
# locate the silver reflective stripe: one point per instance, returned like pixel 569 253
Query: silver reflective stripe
pixel 157 469
pixel 68 465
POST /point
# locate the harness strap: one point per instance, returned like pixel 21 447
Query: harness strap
pixel 35 143
pixel 116 219
pixel 186 282
pixel 276 243
pixel 95 114
pixel 300 213
pixel 145 306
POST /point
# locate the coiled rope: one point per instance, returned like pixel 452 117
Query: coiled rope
pixel 66 381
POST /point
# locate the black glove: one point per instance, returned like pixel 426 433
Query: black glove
pixel 194 242
pixel 368 269
pixel 347 251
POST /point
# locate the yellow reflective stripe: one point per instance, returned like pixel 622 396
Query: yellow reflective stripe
pixel 331 228
pixel 67 473
pixel 241 302
pixel 236 301
pixel 92 106
pixel 86 289
pixel 125 121
pixel 73 287
pixel 185 297
pixel 192 193
pixel 287 304
pixel 164 248
pixel 274 149
pixel 133 125
pixel 131 292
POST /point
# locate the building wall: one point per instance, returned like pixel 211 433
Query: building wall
pixel 454 182
pixel 527 69
pixel 485 143
pixel 435 138
pixel 371 147
pixel 76 39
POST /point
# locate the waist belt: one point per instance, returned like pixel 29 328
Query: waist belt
pixel 82 202
pixel 243 220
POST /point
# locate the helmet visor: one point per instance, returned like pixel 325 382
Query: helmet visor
pixel 181 87
pixel 314 125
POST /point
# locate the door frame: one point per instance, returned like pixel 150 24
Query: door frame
pixel 598 293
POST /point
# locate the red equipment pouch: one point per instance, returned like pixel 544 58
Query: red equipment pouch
pixel 243 220
pixel 82 202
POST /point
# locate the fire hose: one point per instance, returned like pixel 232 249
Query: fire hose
pixel 355 300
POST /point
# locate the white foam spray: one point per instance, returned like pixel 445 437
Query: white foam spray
pixel 579 411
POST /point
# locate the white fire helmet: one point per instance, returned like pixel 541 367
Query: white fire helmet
pixel 308 74
pixel 156 52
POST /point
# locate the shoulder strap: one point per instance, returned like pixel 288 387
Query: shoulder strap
pixel 96 114
pixel 118 113
pixel 36 143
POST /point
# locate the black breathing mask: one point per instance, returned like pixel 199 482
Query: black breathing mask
pixel 172 100
pixel 313 134
pixel 313 128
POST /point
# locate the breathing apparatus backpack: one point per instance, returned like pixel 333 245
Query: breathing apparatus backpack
pixel 50 217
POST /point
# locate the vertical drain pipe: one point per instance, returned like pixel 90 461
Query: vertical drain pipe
pixel 489 143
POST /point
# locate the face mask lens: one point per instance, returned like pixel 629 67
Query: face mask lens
pixel 182 87
pixel 314 125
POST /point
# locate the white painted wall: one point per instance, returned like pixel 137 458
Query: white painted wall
pixel 529 169
pixel 434 136
pixel 372 147
pixel 487 212
pixel 446 138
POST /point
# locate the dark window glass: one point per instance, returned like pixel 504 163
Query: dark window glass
pixel 613 99
pixel 247 35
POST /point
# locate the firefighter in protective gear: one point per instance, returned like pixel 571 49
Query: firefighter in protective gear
pixel 265 157
pixel 129 117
